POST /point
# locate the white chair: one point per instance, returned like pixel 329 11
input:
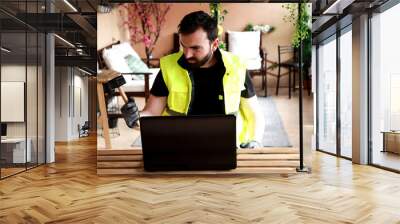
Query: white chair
pixel 121 57
pixel 247 45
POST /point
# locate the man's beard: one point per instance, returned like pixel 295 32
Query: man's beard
pixel 200 63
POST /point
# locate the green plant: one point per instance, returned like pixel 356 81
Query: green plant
pixel 222 45
pixel 249 27
pixel 302 31
pixel 301 23
pixel 215 10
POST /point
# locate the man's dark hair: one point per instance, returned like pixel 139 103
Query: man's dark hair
pixel 199 19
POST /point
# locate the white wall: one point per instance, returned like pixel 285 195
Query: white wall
pixel 61 103
pixel 12 73
pixel 33 126
pixel 80 109
pixel 16 73
pixel 71 87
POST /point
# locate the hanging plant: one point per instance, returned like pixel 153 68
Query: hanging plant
pixel 302 32
pixel 301 23
pixel 215 11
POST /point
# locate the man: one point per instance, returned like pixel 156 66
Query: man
pixel 204 80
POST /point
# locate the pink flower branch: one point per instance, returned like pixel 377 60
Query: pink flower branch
pixel 144 22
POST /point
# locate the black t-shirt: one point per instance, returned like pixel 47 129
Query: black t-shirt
pixel 207 84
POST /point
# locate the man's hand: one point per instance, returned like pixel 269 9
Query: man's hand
pixel 130 112
pixel 251 145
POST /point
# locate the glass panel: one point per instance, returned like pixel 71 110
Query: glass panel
pixel 13 87
pixel 22 81
pixel 31 98
pixel 386 89
pixel 327 96
pixel 346 93
pixel 31 86
pixel 41 99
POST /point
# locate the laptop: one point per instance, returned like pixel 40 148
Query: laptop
pixel 180 143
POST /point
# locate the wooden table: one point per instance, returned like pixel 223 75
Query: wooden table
pixel 249 161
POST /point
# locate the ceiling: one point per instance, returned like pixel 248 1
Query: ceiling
pixel 76 21
pixel 56 5
pixel 330 15
pixel 73 20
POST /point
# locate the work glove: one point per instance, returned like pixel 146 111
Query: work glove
pixel 130 112
pixel 251 145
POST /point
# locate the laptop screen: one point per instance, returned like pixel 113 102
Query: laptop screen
pixel 189 142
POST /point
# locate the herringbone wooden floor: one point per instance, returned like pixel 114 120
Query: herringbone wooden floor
pixel 71 192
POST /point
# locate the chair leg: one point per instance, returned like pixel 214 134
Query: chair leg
pixel 294 79
pixel 290 81
pixel 278 78
pixel 262 80
pixel 265 76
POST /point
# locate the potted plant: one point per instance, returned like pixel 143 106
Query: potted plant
pixel 144 22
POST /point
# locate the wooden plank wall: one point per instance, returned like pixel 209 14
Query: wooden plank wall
pixel 263 160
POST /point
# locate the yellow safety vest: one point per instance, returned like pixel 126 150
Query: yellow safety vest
pixel 179 86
